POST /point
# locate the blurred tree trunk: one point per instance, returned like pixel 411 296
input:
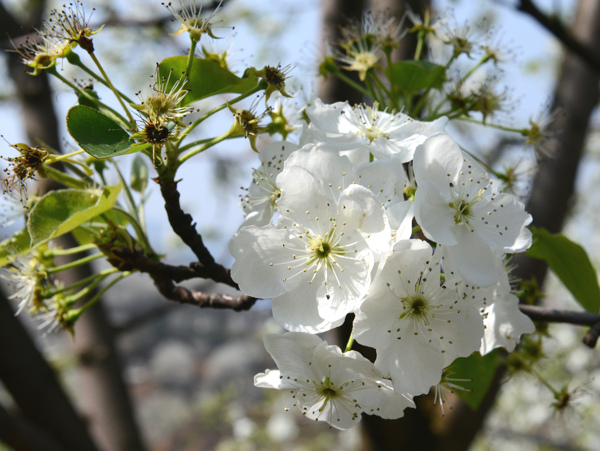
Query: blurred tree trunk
pixel 104 394
pixel 575 96
pixel 36 391
pixel 335 14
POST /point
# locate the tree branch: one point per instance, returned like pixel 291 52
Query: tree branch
pixel 554 26
pixel 203 300
pixel 183 226
pixel 549 315
pixel 165 275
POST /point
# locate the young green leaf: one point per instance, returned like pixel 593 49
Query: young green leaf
pixel 61 211
pixel 480 373
pixel 16 245
pixel 412 76
pixel 206 78
pixel 96 133
pixel 570 263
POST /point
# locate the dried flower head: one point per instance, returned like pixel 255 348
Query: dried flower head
pixel 55 38
pixel 221 53
pixel 189 16
pixel 463 39
pixel 22 168
pixel 540 135
pixel 247 123
pixel 42 53
pixel 161 104
pixel 378 29
pixel 275 78
pixel 155 133
pixel 70 25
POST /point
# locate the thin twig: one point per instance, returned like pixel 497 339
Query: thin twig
pixel 549 315
pixel 165 276
pixel 182 224
pixel 555 26
pixel 203 300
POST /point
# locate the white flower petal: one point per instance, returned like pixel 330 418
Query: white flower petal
pixel 434 215
pixel 414 366
pixel 473 259
pixel 261 260
pixel 504 324
pixel 438 160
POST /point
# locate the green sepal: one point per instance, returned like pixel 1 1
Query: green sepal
pixel 14 246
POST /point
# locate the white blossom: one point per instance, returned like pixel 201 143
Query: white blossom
pixel 316 262
pixel 503 320
pixel 259 204
pixel 366 128
pixel 328 385
pixel 24 277
pixel 457 206
pixel 417 324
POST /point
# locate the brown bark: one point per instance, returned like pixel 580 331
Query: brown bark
pixel 335 14
pixel 104 393
pixel 35 389
pixel 20 434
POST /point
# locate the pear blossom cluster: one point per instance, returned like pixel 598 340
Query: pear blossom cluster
pixel 384 217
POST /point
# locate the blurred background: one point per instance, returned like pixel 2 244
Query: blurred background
pixel 188 372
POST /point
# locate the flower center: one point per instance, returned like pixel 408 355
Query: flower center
pixel 328 391
pixel 417 308
pixel 463 211
pixel 323 249
pixel 274 196
pixel 161 104
pixel 369 119
pixel 364 61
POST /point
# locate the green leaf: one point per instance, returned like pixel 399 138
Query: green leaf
pixel 85 101
pixel 61 211
pixel 480 373
pixel 16 245
pixel 412 76
pixel 570 263
pixel 96 133
pixel 206 78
